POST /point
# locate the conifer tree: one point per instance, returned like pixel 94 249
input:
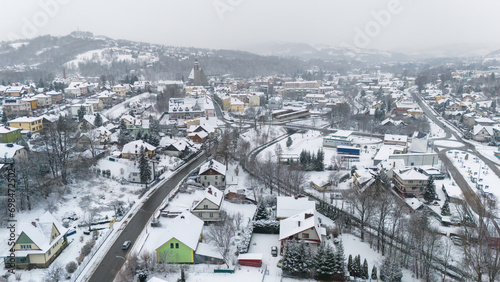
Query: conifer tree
pixel 374 273
pixel 445 210
pixel 261 212
pixel 365 270
pixel 339 269
pixel 430 190
pixel 144 169
pixel 350 265
pixel 289 142
pixel 98 120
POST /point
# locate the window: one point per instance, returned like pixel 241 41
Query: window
pixel 171 245
pixel 216 182
pixel 211 214
pixel 176 245
pixel 216 177
pixel 200 214
pixel 205 177
pixel 305 235
pixel 205 206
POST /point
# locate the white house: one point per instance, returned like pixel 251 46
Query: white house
pixel 213 173
pixel 302 226
pixel 208 207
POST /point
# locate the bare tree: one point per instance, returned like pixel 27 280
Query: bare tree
pixel 54 273
pixel 221 234
pixel 363 206
pixel 58 140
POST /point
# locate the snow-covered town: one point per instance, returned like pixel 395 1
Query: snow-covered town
pixel 131 161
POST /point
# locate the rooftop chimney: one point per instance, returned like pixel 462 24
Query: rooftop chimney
pixel 209 190
pixel 298 222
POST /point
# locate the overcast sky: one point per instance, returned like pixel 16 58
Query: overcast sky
pixel 240 24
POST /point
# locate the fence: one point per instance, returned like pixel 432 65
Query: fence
pixel 88 258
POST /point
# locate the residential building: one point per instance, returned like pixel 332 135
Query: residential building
pixel 16 106
pixel 31 124
pixel 208 208
pixel 38 242
pixel 135 125
pixel 198 137
pixel 11 151
pixel 213 173
pixel 10 134
pixel 236 106
pixel 179 240
pixel 89 121
pixel 76 107
pixel 303 226
pixel 44 100
pixel 120 90
pixel 133 149
pixel 410 182
pixel 57 97
pixel 15 91
pixel 32 101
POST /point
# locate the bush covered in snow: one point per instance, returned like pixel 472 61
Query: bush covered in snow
pixel 245 239
pixel 266 226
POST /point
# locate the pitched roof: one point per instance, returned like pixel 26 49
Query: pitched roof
pixel 300 222
pixel 40 231
pixel 186 228
pixel 288 206
pixel 134 147
pixel 212 194
pixel 215 165
pixel 9 150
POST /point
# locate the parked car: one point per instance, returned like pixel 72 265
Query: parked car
pixel 126 245
pixel 280 263
pixel 274 251
pixel 71 231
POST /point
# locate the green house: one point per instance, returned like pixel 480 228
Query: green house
pixel 180 239
pixel 10 134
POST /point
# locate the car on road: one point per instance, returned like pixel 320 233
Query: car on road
pixel 274 251
pixel 126 245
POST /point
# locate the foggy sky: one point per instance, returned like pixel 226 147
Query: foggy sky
pixel 242 24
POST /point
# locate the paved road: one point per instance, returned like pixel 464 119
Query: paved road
pixel 469 193
pixel 114 258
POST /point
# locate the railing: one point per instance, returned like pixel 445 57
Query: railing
pixel 88 258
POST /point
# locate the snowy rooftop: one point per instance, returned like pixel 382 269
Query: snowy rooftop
pixel 215 165
pixel 411 174
pixel 289 206
pixel 186 228
pixel 7 129
pixel 39 231
pixel 212 194
pixel 91 118
pixel 25 119
pixel 393 137
pixel 135 146
pixel 300 222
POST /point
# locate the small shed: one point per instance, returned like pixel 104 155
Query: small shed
pixel 250 259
